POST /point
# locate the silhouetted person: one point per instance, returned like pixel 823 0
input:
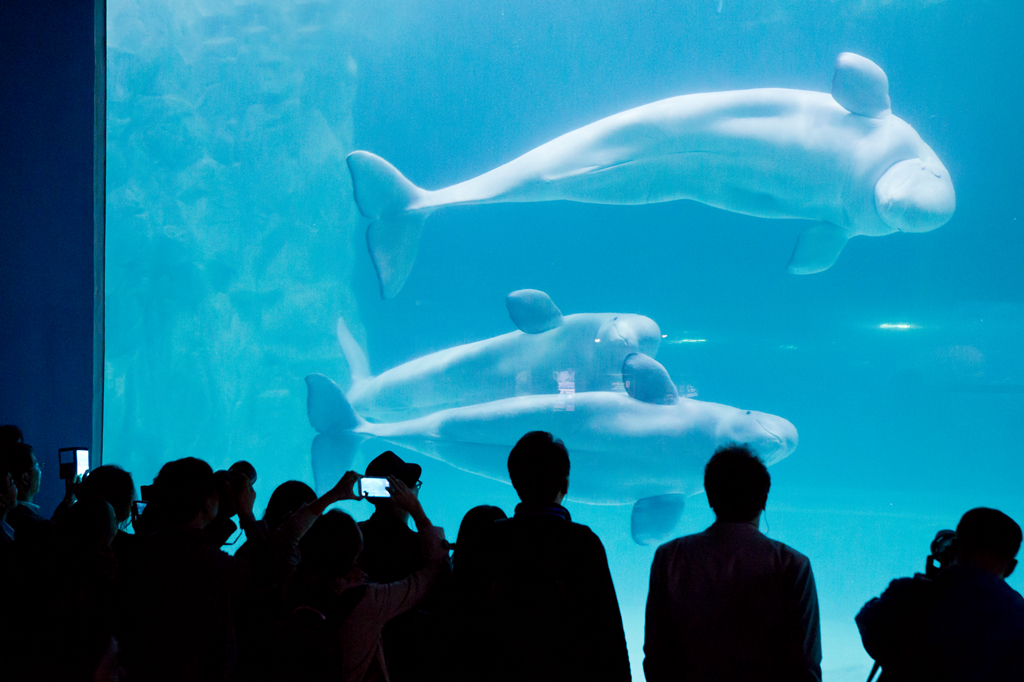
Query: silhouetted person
pixel 261 615
pixel 391 552
pixel 9 646
pixel 115 485
pixel 35 529
pixel 8 500
pixel 9 433
pixel 180 622
pixel 83 577
pixel 475 524
pixel 356 611
pixel 966 623
pixel 538 598
pixel 285 499
pixel 730 604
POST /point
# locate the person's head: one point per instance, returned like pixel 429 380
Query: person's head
pixel 988 539
pixel 9 433
pixel 539 468
pixel 389 464
pixel 24 467
pixel 737 483
pixel 185 492
pixel 8 492
pixel 113 484
pixel 285 499
pixel 89 525
pixel 332 545
pixel 475 524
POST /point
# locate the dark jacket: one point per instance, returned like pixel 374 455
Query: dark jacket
pixel 731 605
pixel 965 624
pixel 538 602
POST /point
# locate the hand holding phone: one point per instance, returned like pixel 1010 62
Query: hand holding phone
pixel 345 488
pixel 402 494
pixel 72 462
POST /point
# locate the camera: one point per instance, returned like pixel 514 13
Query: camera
pixel 942 549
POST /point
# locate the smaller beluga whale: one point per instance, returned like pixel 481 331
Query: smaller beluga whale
pixel 646 447
pixel 842 160
pixel 549 353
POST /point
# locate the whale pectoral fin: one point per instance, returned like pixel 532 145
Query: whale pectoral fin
pixel 393 242
pixel 358 365
pixel 655 518
pixel 817 248
pixel 860 86
pixel 533 311
pixel 648 381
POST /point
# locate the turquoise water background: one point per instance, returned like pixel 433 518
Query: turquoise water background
pixel 233 244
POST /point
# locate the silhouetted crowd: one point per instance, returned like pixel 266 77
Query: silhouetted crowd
pixel 314 595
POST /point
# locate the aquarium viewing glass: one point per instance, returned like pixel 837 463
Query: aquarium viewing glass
pixel 235 244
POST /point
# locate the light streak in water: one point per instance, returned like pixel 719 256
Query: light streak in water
pixel 898 325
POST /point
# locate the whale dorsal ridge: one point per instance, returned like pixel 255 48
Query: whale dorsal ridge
pixel 533 311
pixel 860 86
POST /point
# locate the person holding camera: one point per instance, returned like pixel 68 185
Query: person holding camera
pixel 354 609
pixel 391 552
pixel 962 622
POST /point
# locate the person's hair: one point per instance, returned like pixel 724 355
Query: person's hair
pixel 988 531
pixel 477 520
pixel 182 488
pixel 737 483
pixel 9 433
pixel 539 467
pixel 285 499
pixel 113 484
pixel 331 546
pixel 87 525
pixel 473 529
pixel 17 458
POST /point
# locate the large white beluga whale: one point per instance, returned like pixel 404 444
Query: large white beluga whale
pixel 646 448
pixel 585 350
pixel 842 160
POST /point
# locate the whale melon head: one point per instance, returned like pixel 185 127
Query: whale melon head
pixel 915 196
pixel 630 333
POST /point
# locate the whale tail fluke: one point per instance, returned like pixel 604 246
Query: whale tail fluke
pixel 380 189
pixel 329 411
pixel 385 196
pixel 393 243
pixel 358 365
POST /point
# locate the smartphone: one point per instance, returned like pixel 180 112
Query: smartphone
pixel 373 487
pixel 73 462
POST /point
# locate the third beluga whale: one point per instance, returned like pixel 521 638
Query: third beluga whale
pixel 624 450
pixel 842 160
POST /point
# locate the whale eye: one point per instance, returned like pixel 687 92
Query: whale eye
pixel 748 411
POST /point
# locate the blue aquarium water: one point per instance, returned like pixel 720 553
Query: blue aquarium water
pixel 234 244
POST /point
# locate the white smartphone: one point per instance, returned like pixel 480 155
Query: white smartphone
pixel 73 462
pixel 373 487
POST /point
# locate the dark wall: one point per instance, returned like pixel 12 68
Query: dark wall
pixel 47 237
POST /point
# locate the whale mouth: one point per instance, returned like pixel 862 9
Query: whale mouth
pixel 778 439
